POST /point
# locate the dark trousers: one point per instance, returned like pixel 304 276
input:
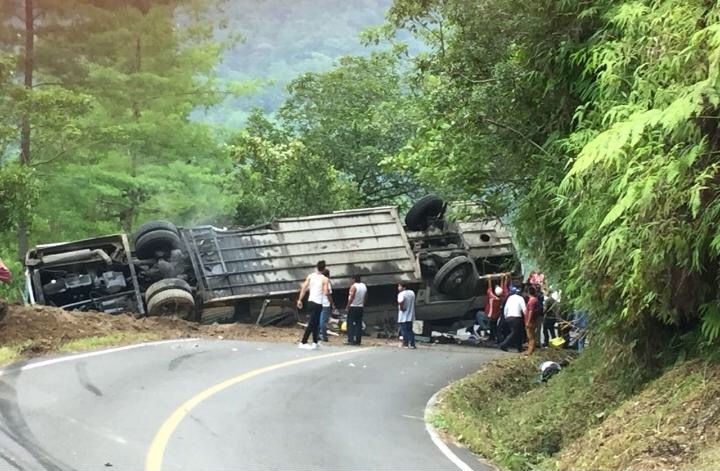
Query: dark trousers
pixel 515 338
pixel 549 329
pixel 407 333
pixel 314 322
pixel 354 325
pixel 502 329
pixel 494 329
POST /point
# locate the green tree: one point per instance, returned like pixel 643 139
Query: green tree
pixel 498 87
pixel 354 117
pixel 43 112
pixel 122 146
pixel 595 126
pixel 283 178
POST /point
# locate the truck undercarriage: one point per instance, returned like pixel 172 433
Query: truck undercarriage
pixel 252 274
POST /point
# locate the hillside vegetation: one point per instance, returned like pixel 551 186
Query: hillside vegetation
pixel 586 420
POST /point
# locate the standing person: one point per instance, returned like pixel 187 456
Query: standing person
pixel 502 326
pixel 356 305
pixel 580 323
pixel 551 309
pixel 5 275
pixel 492 308
pixel 539 316
pixel 316 284
pixel 531 312
pixel 328 306
pixel 406 314
pixel 514 309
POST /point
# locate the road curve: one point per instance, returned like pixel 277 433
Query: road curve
pixel 227 405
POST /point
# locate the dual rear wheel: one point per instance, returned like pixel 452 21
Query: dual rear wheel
pixel 170 296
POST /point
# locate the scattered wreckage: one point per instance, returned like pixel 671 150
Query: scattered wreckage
pixel 252 274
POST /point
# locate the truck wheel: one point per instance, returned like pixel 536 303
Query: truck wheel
pixel 168 283
pixel 172 302
pixel 425 208
pixel 159 240
pixel 456 278
pixel 153 226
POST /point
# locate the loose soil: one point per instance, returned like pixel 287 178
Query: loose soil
pixel 41 329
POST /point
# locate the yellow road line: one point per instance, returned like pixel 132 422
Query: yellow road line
pixel 154 458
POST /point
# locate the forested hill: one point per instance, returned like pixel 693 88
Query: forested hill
pixel 285 39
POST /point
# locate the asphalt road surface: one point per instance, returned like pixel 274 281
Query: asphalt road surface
pixel 225 405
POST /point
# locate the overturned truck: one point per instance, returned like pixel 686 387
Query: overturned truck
pixel 252 274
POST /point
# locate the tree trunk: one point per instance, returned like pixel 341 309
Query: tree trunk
pixel 127 217
pixel 25 129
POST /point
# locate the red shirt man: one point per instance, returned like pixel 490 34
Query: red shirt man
pixel 530 327
pixel 492 308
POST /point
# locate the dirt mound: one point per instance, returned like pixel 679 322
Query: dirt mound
pixel 40 329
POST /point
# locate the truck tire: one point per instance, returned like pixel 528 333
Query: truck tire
pixel 167 283
pixel 457 278
pixel 425 208
pixel 153 226
pixel 172 302
pixel 159 240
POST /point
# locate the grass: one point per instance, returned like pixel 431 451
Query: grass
pixel 13 353
pixel 587 417
pixel 505 414
pixel 673 423
pixel 92 343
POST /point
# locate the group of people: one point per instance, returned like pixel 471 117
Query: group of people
pixel 515 315
pixel 320 304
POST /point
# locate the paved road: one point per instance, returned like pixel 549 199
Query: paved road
pixel 252 406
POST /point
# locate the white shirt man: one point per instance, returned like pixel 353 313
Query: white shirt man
pixel 514 306
pixel 406 315
pixel 357 297
pixel 317 285
pixel 514 311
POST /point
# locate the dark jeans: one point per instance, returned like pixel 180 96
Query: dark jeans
pixel 502 329
pixel 515 338
pixel 354 325
pixel 482 321
pixel 324 318
pixel 314 322
pixel 494 329
pixel 549 329
pixel 539 322
pixel 407 333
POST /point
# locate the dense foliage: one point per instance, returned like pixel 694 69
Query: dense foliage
pixel 95 134
pixel 594 125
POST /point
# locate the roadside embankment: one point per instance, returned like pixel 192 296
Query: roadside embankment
pixel 586 417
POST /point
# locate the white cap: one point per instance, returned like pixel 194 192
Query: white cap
pixel 498 291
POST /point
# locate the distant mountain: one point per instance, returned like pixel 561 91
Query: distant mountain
pixel 285 38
